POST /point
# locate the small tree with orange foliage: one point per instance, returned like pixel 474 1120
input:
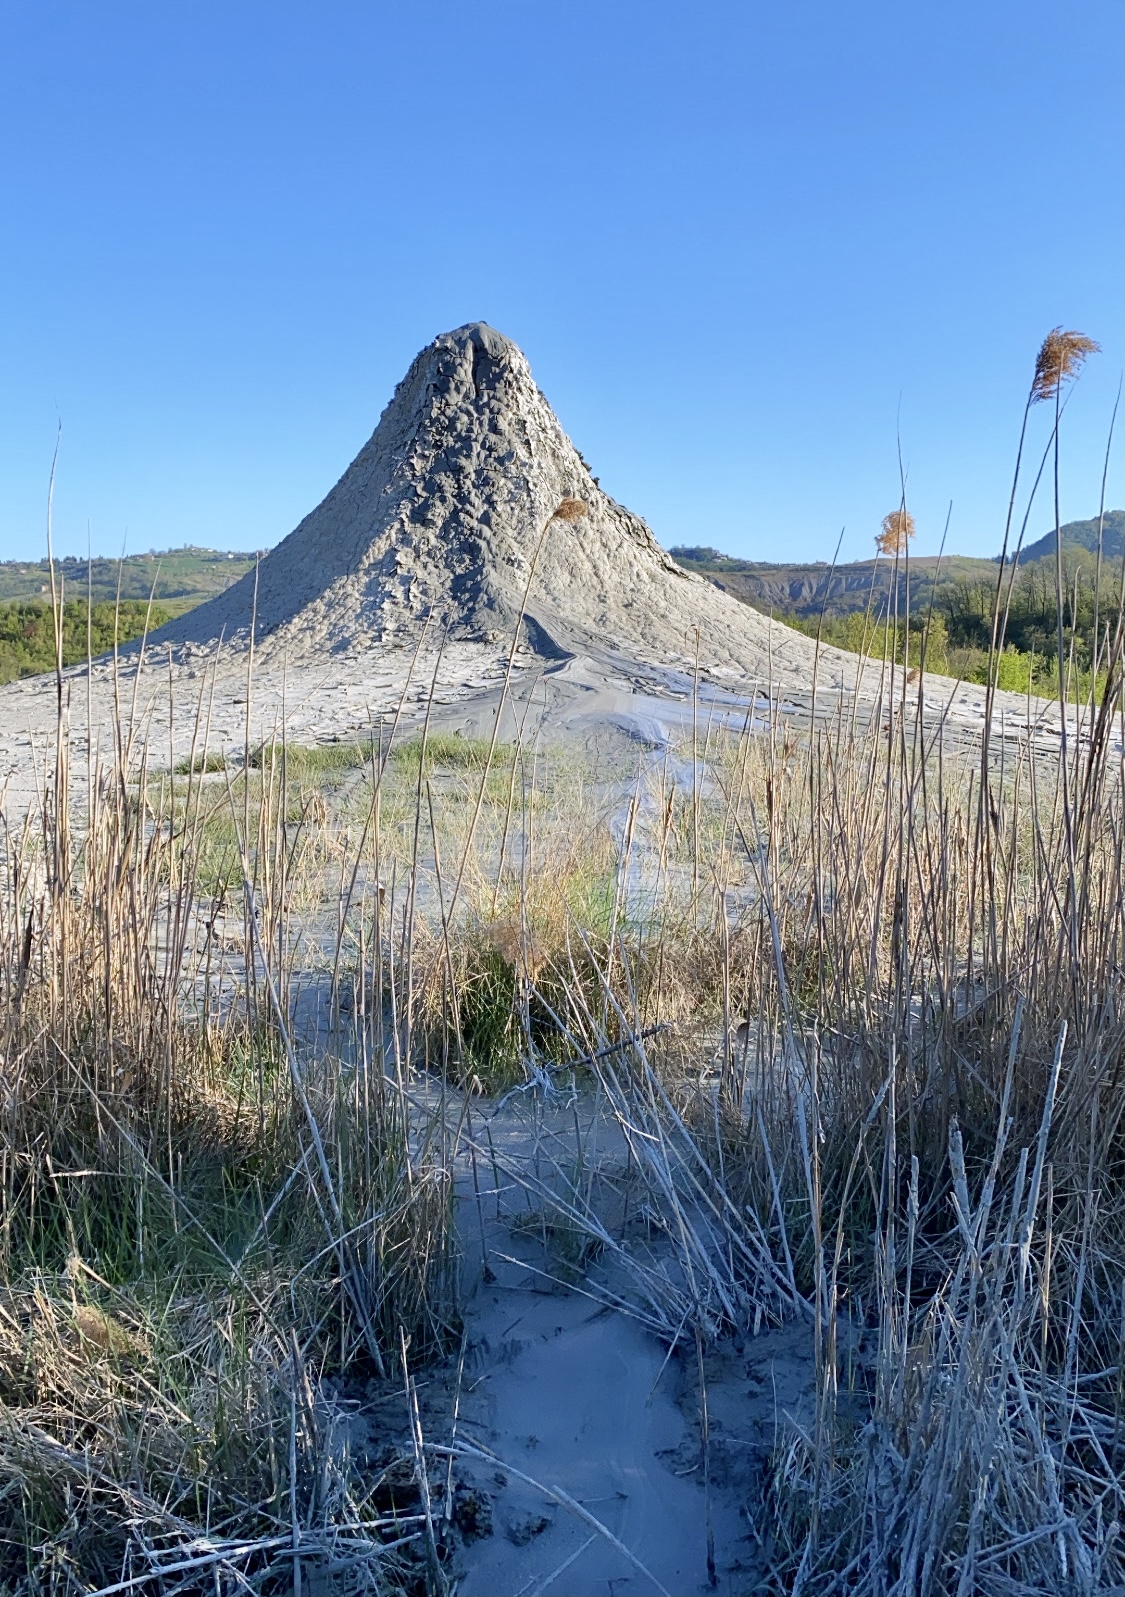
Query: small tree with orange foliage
pixel 898 529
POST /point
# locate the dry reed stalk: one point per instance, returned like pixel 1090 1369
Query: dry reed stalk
pixel 567 510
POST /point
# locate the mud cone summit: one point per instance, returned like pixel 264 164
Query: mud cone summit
pixel 442 512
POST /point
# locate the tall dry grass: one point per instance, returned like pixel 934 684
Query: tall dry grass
pixel 884 1094
pixel 933 1061
pixel 211 1233
pixel 887 1096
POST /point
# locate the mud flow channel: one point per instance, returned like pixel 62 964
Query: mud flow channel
pixel 576 1428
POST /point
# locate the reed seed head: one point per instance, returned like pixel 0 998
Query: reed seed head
pixel 1060 359
pixel 897 531
pixel 569 510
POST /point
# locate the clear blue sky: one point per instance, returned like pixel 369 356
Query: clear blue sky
pixel 736 241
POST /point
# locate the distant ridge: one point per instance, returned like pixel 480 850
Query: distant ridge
pixel 1082 535
pixel 190 574
pixel 807 588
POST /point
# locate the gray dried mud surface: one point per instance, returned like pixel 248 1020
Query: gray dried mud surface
pixel 579 1397
pixel 595 703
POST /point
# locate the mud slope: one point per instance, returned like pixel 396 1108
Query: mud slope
pixel 446 510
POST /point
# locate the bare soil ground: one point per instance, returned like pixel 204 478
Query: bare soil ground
pixel 591 701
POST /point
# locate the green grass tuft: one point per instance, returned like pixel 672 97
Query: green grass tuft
pixel 202 764
pixel 450 751
pixel 303 760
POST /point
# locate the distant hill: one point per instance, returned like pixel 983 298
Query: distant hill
pixel 808 589
pixel 1082 535
pixel 187 575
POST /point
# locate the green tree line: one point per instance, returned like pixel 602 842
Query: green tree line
pixel 952 634
pixel 27 631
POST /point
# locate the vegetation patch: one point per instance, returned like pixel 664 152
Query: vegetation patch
pixel 937 614
pixel 207 764
pixel 28 643
pixel 307 761
pixel 449 751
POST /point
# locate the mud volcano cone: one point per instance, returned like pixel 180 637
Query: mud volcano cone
pixel 442 514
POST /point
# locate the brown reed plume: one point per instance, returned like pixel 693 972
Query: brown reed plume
pixel 1060 359
pixel 570 510
pixel 897 530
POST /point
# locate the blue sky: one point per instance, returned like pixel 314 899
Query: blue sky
pixel 740 244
